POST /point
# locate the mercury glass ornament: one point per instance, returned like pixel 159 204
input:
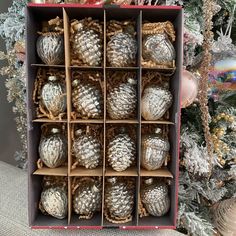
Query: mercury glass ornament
pixel 158 49
pixel 53 148
pixel 154 197
pixel 121 151
pixel 53 96
pixel 87 150
pixel 54 201
pixel 87 99
pixel 155 102
pixel 122 100
pixel 119 198
pixel 121 50
pixel 50 48
pixel 154 150
pixel 87 45
pixel 87 198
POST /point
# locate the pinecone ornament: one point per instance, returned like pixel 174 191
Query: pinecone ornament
pixel 122 100
pixel 155 102
pixel 121 152
pixel 53 96
pixel 154 197
pixel 87 45
pixel 87 198
pixel 121 50
pixel 158 49
pixel 50 48
pixel 87 150
pixel 53 148
pixel 54 201
pixel 154 150
pixel 119 200
pixel 87 99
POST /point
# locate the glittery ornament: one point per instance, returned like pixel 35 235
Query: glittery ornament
pixel 155 102
pixel 154 150
pixel 121 50
pixel 53 96
pixel 122 100
pixel 87 99
pixel 53 149
pixel 87 198
pixel 119 200
pixel 87 45
pixel 158 49
pixel 225 217
pixel 54 201
pixel 87 150
pixel 121 152
pixel 50 48
pixel 155 197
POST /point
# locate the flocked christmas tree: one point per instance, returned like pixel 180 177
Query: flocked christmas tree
pixel 205 180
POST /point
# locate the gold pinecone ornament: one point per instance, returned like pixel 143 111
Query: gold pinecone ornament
pixel 154 150
pixel 122 100
pixel 53 200
pixel 225 217
pixel 53 96
pixel 121 50
pixel 87 45
pixel 121 151
pixel 154 197
pixel 119 200
pixel 87 99
pixel 87 197
pixel 87 150
pixel 53 148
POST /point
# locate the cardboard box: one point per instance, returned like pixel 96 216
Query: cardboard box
pixel 36 13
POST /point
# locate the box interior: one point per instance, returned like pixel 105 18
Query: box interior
pixel 35 15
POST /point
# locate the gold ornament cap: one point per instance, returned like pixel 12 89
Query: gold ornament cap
pixel 149 181
pixel 55 130
pixel 112 180
pixel 52 78
pixel 78 132
pixel 75 83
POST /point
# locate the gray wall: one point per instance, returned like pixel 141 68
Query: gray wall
pixel 9 139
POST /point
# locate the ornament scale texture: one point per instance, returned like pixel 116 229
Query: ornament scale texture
pixel 87 150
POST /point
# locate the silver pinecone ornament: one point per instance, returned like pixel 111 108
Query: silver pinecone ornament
pixel 87 45
pixel 121 50
pixel 53 96
pixel 87 198
pixel 119 200
pixel 53 148
pixel 122 100
pixel 54 201
pixel 50 48
pixel 121 152
pixel 87 150
pixel 155 102
pixel 87 99
pixel 154 150
pixel 158 49
pixel 154 197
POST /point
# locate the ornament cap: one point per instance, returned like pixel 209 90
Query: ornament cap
pixel 95 189
pixel 55 130
pixel 75 83
pixel 148 181
pixel 78 132
pixel 132 81
pixel 157 131
pixel 112 180
pixel 52 78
